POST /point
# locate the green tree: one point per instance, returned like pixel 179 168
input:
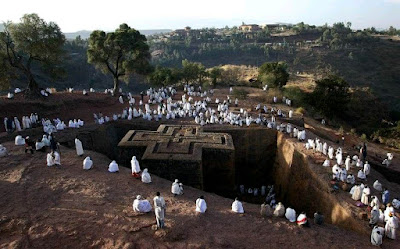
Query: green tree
pixel 215 75
pixel 120 53
pixel 331 96
pixel 274 74
pixel 193 71
pixel 163 76
pixel 32 41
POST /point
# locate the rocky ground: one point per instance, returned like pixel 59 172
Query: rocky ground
pixel 66 207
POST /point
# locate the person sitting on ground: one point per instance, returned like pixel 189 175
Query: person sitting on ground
pixel 302 220
pixel 290 214
pixel 279 210
pixel 40 146
pixel 3 151
pixel 146 178
pixel 177 188
pixel 87 163
pixel 135 167
pixel 237 206
pixel 140 205
pixel 361 175
pixel 266 210
pixel 377 235
pixel 113 167
pixel 201 205
pixel 377 185
pixel 318 218
pixel 53 158
pixel 326 163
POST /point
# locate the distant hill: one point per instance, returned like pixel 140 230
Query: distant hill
pixel 86 33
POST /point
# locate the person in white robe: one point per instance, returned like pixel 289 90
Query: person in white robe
pixel 357 192
pixel 113 167
pixel 39 146
pixel 302 220
pixel 201 205
pixel 347 163
pixel 343 175
pixel 17 124
pixel 45 141
pixel 237 206
pixel 374 219
pixel 367 168
pixel 376 236
pixel 391 225
pixel 290 214
pixel 146 178
pixel 177 188
pixel 335 172
pixel 377 186
pixel 141 206
pixel 19 140
pixel 87 163
pixel 121 99
pixel 326 163
pixel 361 175
pixel 351 179
pixel 396 203
pixel 79 147
pixel 374 202
pixel 3 151
pixel 365 195
pixel 53 158
pixel 159 209
pixel 135 167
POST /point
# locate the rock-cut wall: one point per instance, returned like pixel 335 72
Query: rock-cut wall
pixel 300 186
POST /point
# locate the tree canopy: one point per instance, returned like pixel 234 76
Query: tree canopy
pixel 31 41
pixel 331 96
pixel 274 74
pixel 193 72
pixel 164 76
pixel 120 53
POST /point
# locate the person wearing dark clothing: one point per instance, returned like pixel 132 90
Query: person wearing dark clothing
pixel 29 145
pixel 318 218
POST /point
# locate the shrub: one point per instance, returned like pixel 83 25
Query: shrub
pixel 300 110
pixel 240 93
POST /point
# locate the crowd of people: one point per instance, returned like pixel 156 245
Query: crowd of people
pixel 353 170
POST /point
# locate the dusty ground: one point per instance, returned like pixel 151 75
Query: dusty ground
pixel 66 207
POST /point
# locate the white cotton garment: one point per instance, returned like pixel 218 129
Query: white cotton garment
pixel 87 163
pixel 113 167
pixel 79 147
pixel 237 207
pixel 201 205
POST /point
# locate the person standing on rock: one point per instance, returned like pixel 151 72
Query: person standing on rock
pixel 159 209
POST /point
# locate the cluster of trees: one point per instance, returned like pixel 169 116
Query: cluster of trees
pixel 189 73
pixel 34 45
pixel 28 44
